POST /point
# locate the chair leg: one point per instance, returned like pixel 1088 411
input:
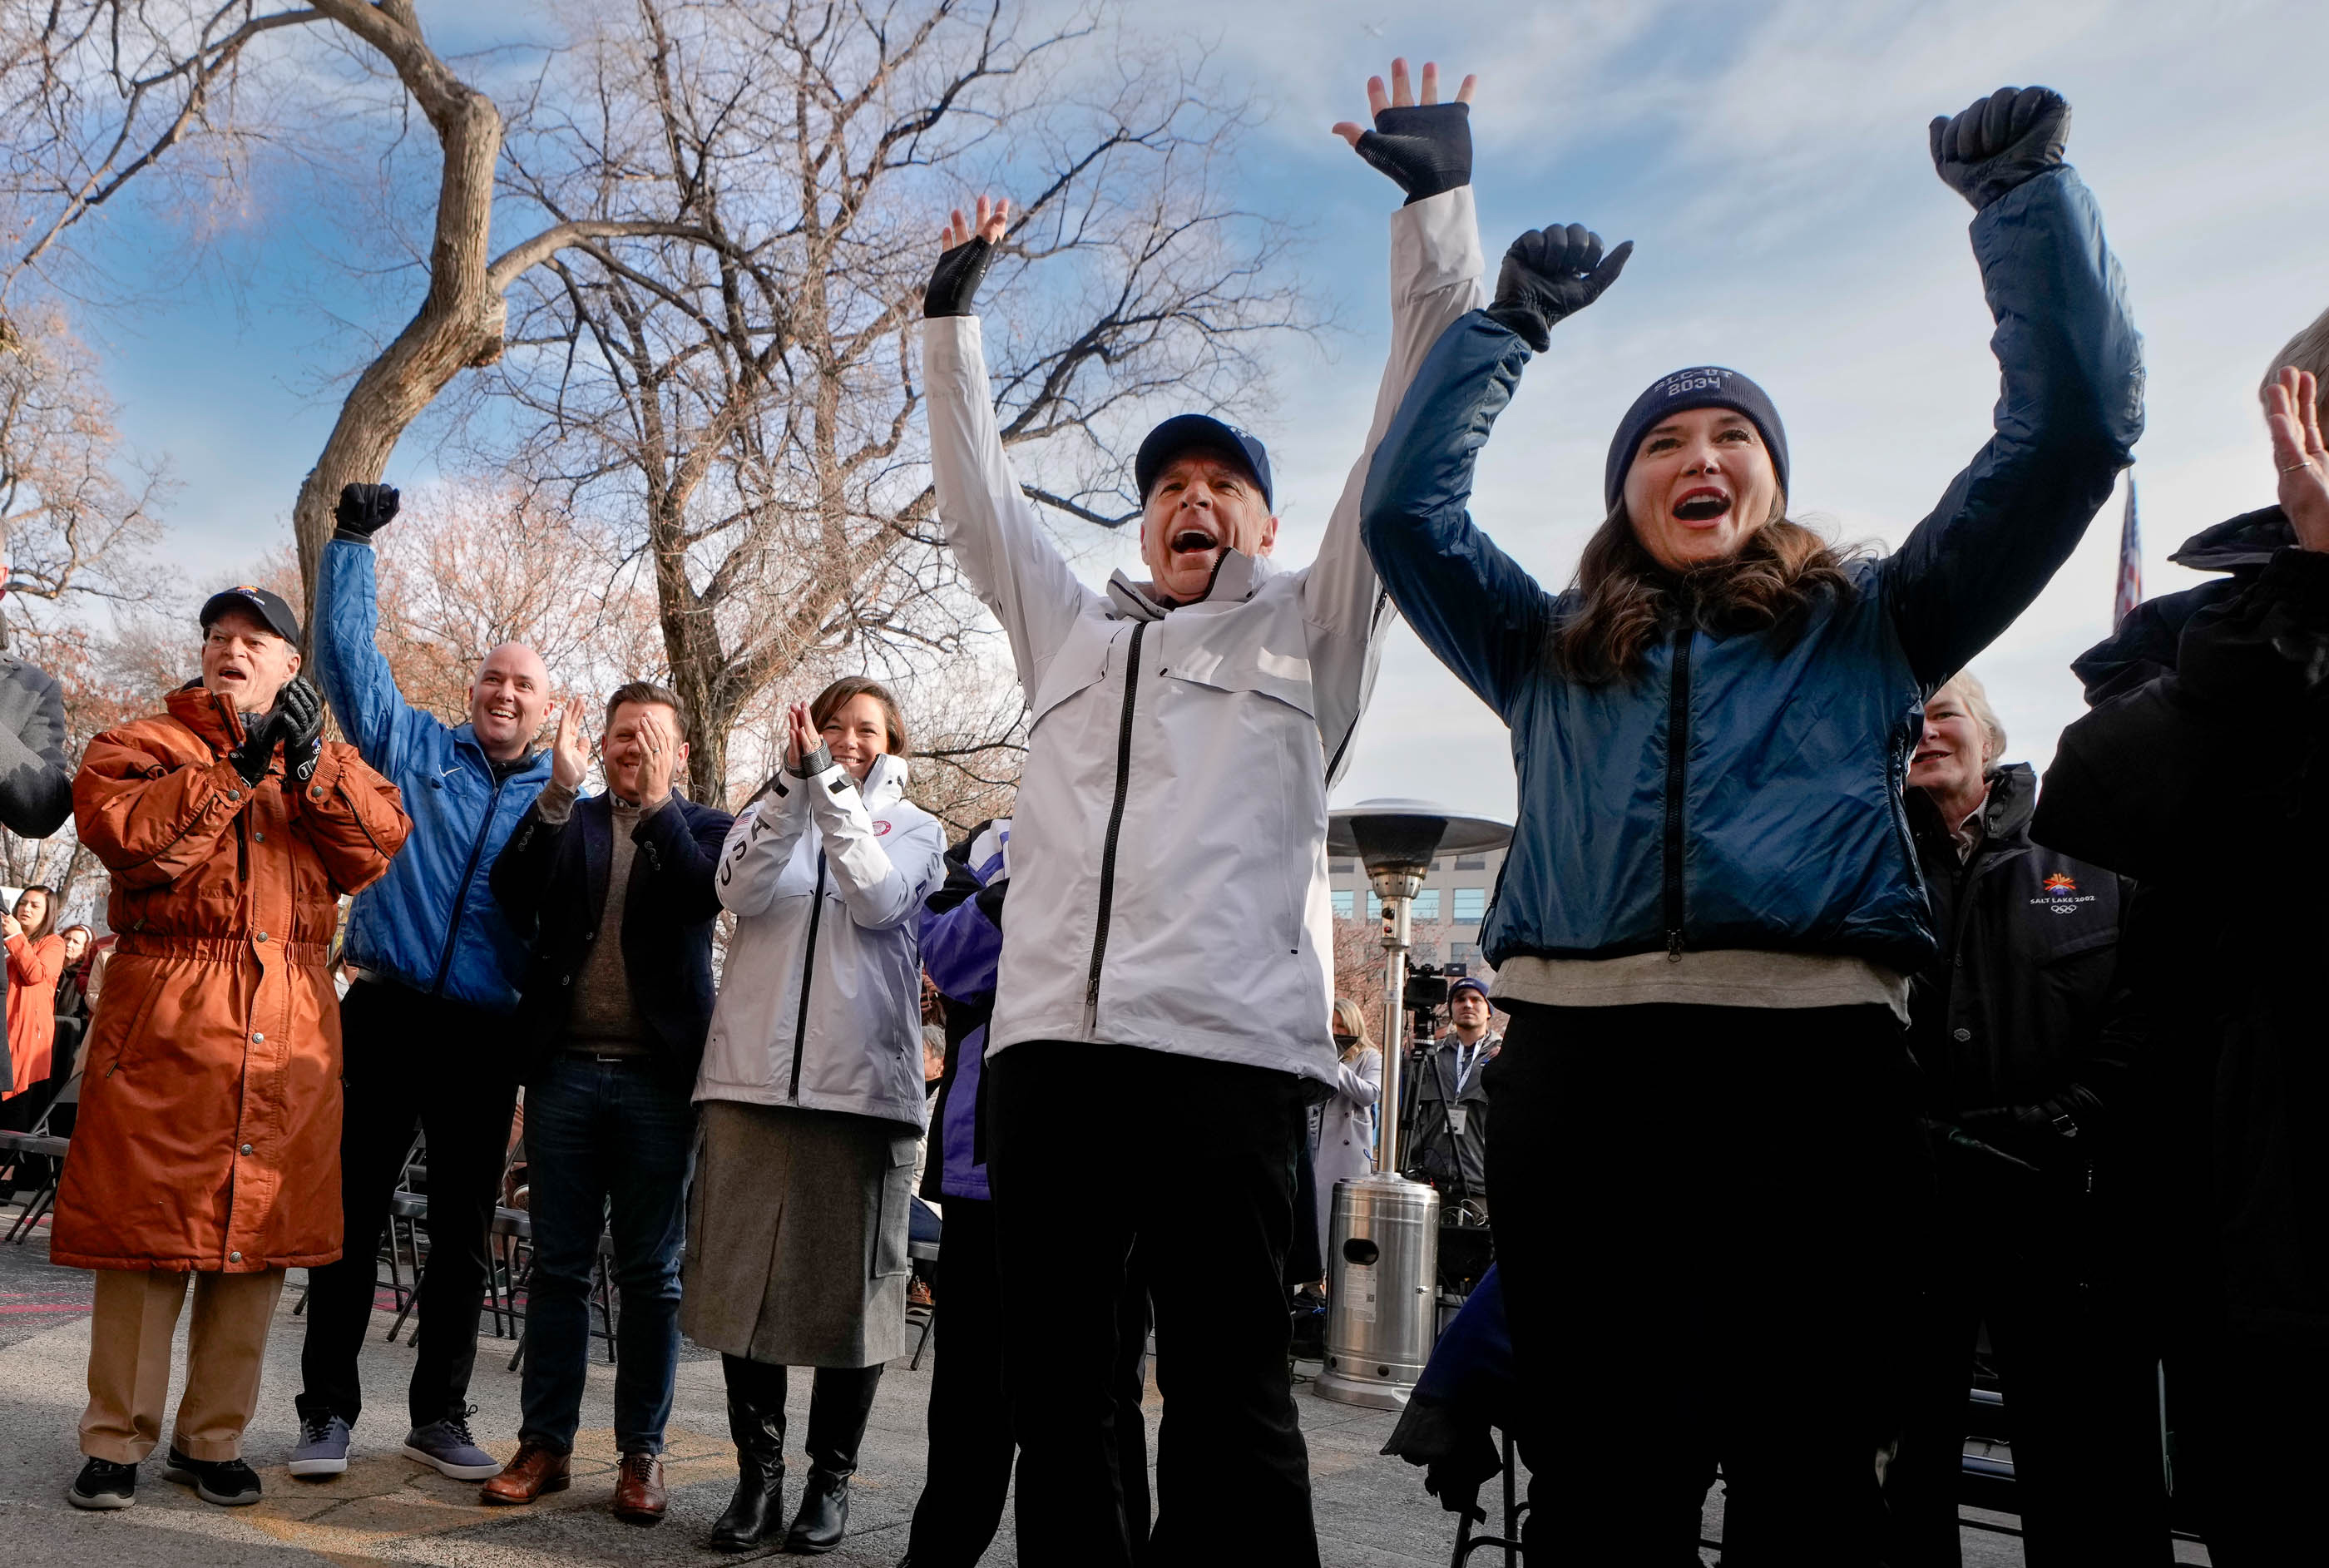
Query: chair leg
pixel 929 1321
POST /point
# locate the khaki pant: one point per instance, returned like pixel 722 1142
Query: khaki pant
pixel 129 1335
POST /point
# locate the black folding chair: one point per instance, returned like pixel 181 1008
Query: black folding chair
pixel 17 1149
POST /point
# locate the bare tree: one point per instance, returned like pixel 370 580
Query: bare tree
pixel 747 411
pixel 71 526
pixel 104 90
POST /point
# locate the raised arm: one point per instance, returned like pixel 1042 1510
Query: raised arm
pixel 2072 402
pixel 1473 606
pixel 988 522
pixel 521 872
pixel 350 668
pixel 1436 267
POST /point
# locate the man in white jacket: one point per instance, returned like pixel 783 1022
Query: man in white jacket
pixel 1168 956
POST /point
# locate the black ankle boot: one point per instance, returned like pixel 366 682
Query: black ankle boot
pixel 838 1409
pixel 756 1422
pixel 824 1516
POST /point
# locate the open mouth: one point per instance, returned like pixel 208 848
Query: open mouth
pixel 1193 540
pixel 231 674
pixel 1924 756
pixel 508 715
pixel 1703 505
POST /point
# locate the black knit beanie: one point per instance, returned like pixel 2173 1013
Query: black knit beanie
pixel 1708 386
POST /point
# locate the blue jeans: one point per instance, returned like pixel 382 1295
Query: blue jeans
pixel 608 1146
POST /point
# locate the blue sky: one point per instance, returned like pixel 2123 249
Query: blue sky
pixel 1770 161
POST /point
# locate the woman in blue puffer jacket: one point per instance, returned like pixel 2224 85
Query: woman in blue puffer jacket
pixel 1709 1168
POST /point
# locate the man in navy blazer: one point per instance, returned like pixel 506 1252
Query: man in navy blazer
pixel 614 893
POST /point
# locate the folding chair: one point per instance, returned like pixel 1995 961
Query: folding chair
pixel 17 1147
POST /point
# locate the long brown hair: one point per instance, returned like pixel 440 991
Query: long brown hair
pixel 1629 600
pixel 49 912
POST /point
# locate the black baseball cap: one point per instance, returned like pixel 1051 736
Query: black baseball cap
pixel 265 607
pixel 1186 434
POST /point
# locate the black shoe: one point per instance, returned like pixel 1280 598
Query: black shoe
pixel 102 1484
pixel 824 1516
pixel 229 1483
pixel 755 1423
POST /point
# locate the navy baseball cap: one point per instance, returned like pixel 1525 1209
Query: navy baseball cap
pixel 1186 434
pixel 267 607
pixel 1705 386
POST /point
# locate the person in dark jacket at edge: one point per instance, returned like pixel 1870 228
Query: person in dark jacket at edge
pixel 2200 773
pixel 425 1031
pixel 1704 1144
pixel 2009 1025
pixel 36 780
pixel 967 1478
pixel 615 895
pixel 1447 1142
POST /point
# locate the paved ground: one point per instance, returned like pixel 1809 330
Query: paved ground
pixel 1372 1511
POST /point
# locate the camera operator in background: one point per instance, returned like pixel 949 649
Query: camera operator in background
pixel 2009 1023
pixel 1447 1143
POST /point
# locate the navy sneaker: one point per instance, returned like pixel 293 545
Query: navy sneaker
pixel 446 1446
pixel 229 1483
pixel 102 1484
pixel 323 1448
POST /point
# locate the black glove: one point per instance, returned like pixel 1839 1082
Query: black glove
pixel 299 722
pixel 1427 147
pixel 258 747
pixel 1551 273
pixel 364 511
pixel 955 281
pixel 2003 140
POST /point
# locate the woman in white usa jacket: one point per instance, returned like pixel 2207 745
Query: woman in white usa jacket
pixel 812 1103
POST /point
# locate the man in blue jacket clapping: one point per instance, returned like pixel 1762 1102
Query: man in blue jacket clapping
pixel 427 1027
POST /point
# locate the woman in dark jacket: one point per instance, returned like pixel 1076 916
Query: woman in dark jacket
pixel 1702 1139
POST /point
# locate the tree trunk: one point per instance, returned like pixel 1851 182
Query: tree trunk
pixel 460 321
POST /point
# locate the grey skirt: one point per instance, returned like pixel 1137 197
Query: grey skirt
pixel 796 1236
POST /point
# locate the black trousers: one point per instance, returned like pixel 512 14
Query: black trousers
pixel 1207 1198
pixel 2253 1445
pixel 968 1474
pixel 2082 1394
pixel 412 1061
pixel 1704 1221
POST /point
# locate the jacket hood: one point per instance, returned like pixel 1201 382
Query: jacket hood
pixel 2143 648
pixel 2248 540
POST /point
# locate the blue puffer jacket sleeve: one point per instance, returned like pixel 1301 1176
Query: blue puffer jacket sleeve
pixel 2068 417
pixel 352 671
pixel 1472 605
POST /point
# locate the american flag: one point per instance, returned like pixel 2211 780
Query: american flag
pixel 2130 563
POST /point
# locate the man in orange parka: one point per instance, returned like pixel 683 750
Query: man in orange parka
pixel 209 1136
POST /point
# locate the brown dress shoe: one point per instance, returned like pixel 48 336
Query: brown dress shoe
pixel 532 1471
pixel 640 1498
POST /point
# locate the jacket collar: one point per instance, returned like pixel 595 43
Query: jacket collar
pixel 2004 814
pixel 1237 577
pixel 885 782
pixel 537 761
pixel 207 714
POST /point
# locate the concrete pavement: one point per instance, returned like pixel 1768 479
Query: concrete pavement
pixel 1371 1511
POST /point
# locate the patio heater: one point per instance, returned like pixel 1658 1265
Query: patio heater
pixel 1383 1252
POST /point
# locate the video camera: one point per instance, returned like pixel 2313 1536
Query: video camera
pixel 1427 994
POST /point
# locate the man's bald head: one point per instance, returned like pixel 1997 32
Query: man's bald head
pixel 508 699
